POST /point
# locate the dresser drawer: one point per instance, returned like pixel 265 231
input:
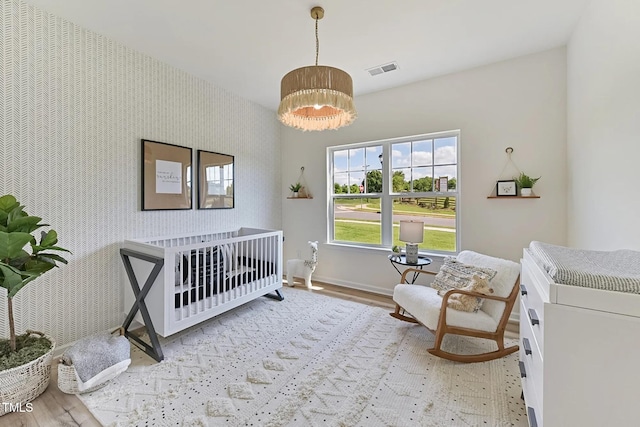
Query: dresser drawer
pixel 531 357
pixel 532 305
pixel 534 411
pixel 528 332
pixel 535 420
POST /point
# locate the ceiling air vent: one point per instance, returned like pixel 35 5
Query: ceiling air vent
pixel 385 68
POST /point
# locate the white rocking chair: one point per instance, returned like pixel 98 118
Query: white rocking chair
pixel 425 306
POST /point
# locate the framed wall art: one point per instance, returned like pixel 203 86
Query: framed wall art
pixel 215 180
pixel 506 188
pixel 166 176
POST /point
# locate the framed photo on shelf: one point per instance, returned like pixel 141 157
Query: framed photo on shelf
pixel 215 181
pixel 166 176
pixel 506 188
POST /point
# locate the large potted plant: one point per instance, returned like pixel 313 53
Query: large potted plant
pixel 25 360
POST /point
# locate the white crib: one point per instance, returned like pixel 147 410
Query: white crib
pixel 184 280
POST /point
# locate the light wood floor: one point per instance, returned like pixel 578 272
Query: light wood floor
pixel 55 408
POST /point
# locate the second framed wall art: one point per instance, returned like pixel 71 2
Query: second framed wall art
pixel 215 180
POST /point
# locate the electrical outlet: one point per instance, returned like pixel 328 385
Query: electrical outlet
pixel 299 254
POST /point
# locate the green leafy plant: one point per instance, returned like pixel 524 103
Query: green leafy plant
pixel 396 249
pixel 525 181
pixel 22 258
pixel 295 187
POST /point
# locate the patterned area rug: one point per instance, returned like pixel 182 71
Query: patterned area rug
pixel 310 360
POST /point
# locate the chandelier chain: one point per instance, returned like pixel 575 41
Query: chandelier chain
pixel 317 41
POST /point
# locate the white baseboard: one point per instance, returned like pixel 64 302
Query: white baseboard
pixel 353 285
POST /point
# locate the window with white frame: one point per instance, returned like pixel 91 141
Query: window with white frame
pixel 375 185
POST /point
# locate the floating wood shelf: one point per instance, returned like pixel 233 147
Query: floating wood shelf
pixel 509 151
pixel 304 191
pixel 513 197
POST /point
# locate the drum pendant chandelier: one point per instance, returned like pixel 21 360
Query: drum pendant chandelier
pixel 316 97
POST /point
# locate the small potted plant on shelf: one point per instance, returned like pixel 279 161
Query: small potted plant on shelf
pixel 295 188
pixel 525 183
pixel 25 360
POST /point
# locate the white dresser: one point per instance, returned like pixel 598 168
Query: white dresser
pixel 579 352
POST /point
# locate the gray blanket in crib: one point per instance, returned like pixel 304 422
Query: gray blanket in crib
pixel 608 270
pixel 94 354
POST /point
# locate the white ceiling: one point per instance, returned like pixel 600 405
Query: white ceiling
pixel 246 46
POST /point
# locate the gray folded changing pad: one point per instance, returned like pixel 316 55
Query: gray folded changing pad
pixel 608 270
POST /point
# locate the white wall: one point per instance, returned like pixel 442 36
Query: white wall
pixel 73 108
pixel 519 103
pixel 604 127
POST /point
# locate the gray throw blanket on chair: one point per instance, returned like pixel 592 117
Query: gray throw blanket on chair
pixel 94 354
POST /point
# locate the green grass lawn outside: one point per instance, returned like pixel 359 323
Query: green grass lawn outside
pixel 360 232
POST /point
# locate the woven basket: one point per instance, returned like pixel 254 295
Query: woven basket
pixel 68 380
pixel 24 383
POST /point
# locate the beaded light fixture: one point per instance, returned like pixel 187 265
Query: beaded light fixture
pixel 316 97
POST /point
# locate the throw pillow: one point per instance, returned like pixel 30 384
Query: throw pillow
pixel 469 303
pixel 455 275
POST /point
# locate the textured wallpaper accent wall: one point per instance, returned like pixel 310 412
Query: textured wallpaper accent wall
pixel 73 108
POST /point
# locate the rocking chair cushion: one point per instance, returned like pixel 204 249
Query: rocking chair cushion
pixel 503 282
pixel 424 304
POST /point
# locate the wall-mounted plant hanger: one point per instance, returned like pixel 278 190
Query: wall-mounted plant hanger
pixel 518 187
pixel 299 189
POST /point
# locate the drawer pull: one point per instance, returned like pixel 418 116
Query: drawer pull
pixel 526 345
pixel 523 372
pixel 532 417
pixel 523 290
pixel 533 316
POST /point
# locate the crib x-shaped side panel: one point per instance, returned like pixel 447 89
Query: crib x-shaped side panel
pixel 154 350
